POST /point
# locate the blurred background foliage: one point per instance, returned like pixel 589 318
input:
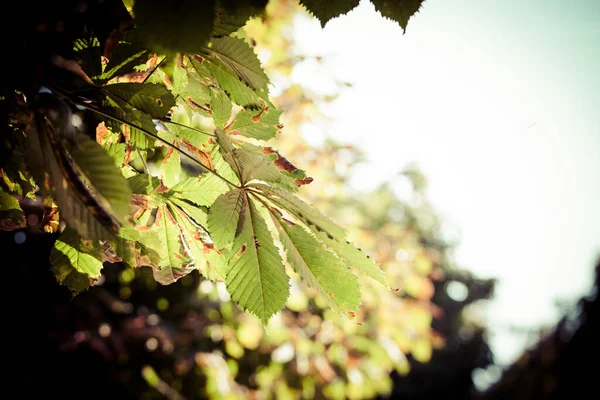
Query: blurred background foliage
pixel 130 337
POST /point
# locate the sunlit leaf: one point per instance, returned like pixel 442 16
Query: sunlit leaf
pixel 221 108
pixel 320 269
pixel 306 213
pixel 151 98
pixel 174 263
pixel 354 257
pixel 72 266
pixel 256 277
pixel 259 124
pixel 202 190
pixel 106 179
pixel 241 59
pixel 207 259
pixel 224 216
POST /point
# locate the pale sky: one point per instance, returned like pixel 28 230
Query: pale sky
pixel 498 102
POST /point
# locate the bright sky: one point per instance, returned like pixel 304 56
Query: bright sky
pixel 498 102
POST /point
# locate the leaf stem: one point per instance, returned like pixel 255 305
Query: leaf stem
pixel 163 120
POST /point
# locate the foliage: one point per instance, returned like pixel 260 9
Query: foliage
pixel 179 177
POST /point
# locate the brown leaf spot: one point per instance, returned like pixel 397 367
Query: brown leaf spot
pixel 200 106
pixel 351 314
pixel 330 294
pixel 202 155
pixel 139 200
pixel 161 188
pixel 256 118
pixel 101 133
pixel 256 243
pixel 242 250
pixel 198 58
pixel 304 181
pixel 168 155
pixel 128 152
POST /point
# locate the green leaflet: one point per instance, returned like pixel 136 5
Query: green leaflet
pixel 254 165
pixel 237 90
pixel 196 214
pixel 170 167
pixel 398 10
pixel 235 15
pixel 241 59
pixel 256 278
pixel 224 216
pixel 186 128
pixel 326 10
pixel 354 257
pixel 71 262
pixel 128 54
pixel 89 56
pixel 306 213
pixel 151 98
pixel 186 28
pixel 202 190
pixel 209 261
pixel 263 124
pixel 221 108
pixel 108 182
pixel 221 166
pixel 174 262
pixel 320 269
pixel 11 215
pixel 125 111
pixel 143 183
pixel 79 208
pixel 249 164
pixel 136 248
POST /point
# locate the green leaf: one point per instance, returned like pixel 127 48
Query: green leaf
pixel 11 214
pixel 355 258
pixel 108 182
pixel 143 183
pixel 202 190
pixel 234 15
pixel 320 269
pixel 221 167
pixel 136 248
pixel 237 90
pixel 326 10
pixel 128 54
pixel 125 111
pixel 263 124
pixel 78 206
pixel 72 265
pixel 256 278
pixel 224 216
pixel 186 128
pixel 89 55
pixel 170 167
pixel 306 213
pixel 185 28
pixel 241 59
pixel 151 98
pixel 210 262
pixel 398 10
pixel 197 214
pixel 221 108
pixel 254 165
pixel 174 262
